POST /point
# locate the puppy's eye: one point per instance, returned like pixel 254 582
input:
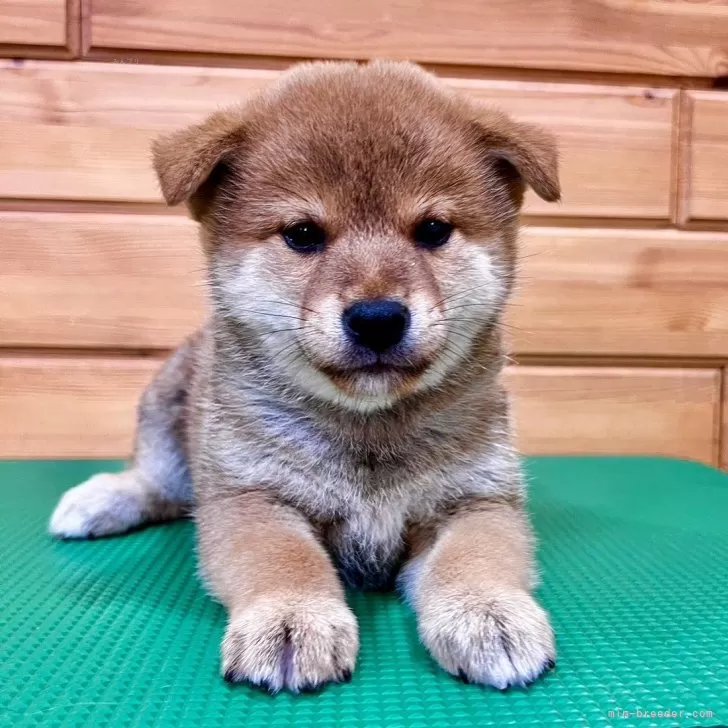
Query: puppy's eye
pixel 305 237
pixel 432 233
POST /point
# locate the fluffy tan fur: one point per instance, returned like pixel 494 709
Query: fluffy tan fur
pixel 302 470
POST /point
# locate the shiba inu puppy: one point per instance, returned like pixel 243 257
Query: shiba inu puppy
pixel 340 420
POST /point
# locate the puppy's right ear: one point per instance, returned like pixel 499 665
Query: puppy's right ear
pixel 185 160
pixel 525 154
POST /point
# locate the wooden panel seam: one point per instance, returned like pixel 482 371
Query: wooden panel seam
pixel 245 61
pixel 683 159
pixel 74 20
pixel 722 421
pixel 19 53
pixel 100 207
pixel 718 416
pixel 707 206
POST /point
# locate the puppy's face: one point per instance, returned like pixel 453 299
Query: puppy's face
pixel 360 223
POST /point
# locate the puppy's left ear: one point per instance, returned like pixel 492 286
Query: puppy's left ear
pixel 186 161
pixel 524 153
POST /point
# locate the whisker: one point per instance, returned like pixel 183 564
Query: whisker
pixel 290 356
pixel 498 324
pixel 534 254
pixel 457 319
pixel 283 302
pixel 450 309
pixel 268 313
pixel 280 331
pixel 286 349
pixel 510 327
pixel 458 294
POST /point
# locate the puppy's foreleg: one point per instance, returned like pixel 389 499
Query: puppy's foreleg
pixel 470 587
pixel 111 503
pixel 289 625
pixel 157 486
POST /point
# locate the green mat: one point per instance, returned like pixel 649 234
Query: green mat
pixel 118 632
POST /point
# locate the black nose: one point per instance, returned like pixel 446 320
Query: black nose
pixel 378 324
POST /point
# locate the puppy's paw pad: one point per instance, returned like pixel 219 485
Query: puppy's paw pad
pixel 500 640
pixel 105 504
pixel 276 644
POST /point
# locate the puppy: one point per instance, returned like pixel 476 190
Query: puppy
pixel 339 420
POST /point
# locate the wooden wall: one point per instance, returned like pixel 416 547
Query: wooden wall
pixel 620 327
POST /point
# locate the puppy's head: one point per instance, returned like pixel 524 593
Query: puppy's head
pixel 360 223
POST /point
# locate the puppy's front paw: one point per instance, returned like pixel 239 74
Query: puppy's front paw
pixel 499 639
pixel 298 644
pixel 105 504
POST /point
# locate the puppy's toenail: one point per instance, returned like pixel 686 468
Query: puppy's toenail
pixel 463 677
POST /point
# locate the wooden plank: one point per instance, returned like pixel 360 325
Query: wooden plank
pixel 70 407
pixel 33 22
pixel 621 292
pixel 136 281
pixel 76 280
pixel 84 407
pixel 582 410
pixel 673 38
pixel 82 131
pixel 707 156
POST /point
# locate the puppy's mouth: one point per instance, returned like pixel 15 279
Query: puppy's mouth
pixel 384 368
pixel 394 377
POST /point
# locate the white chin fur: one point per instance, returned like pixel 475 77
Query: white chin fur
pixel 318 384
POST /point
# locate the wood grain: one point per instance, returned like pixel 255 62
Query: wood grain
pixel 673 38
pixel 84 407
pixel 70 407
pixel 621 292
pixel 82 131
pixel 33 22
pixel 582 410
pixel 707 156
pixel 80 280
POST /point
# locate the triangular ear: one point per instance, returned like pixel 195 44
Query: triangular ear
pixel 526 148
pixel 185 159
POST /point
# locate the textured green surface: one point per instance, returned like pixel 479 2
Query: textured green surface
pixel 118 632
